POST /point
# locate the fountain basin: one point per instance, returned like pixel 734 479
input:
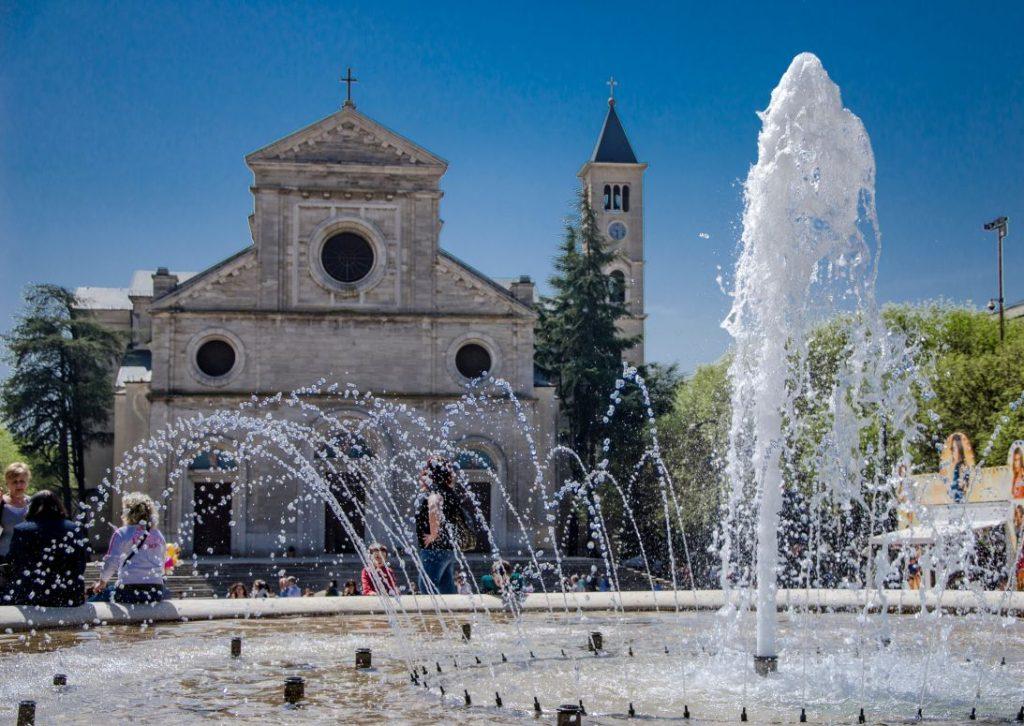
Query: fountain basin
pixel 832 665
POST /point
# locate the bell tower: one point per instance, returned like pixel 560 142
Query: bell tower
pixel 614 182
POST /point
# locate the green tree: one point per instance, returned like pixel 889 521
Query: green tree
pixel 975 379
pixel 694 437
pixel 577 338
pixel 578 342
pixel 60 387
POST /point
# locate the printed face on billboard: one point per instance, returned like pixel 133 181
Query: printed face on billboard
pixel 1015 460
pixel 956 464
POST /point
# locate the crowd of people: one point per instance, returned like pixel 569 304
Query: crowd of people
pixel 43 553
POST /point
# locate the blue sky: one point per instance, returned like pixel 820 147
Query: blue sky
pixel 123 130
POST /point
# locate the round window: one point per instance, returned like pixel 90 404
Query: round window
pixel 347 257
pixel 215 358
pixel 473 360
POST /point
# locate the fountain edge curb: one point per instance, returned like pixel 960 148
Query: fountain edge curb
pixel 22 618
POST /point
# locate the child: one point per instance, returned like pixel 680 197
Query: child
pixel 378 574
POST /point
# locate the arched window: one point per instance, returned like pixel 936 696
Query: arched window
pixel 607 197
pixel 616 197
pixel 625 197
pixel 213 461
pixel 617 286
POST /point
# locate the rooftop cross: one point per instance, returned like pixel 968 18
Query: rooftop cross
pixel 348 80
pixel 611 83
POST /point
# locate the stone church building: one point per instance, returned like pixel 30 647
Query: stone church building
pixel 344 279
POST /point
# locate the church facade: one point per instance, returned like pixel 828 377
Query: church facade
pixel 345 280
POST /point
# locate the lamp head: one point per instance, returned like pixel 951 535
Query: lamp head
pixel 999 222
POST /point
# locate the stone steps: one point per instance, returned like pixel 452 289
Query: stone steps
pixel 213 577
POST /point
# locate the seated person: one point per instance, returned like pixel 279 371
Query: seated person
pixel 48 556
pixel 137 553
pixel 289 587
pixel 504 581
pixel 377 574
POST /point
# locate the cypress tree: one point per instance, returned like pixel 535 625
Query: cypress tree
pixel 577 338
pixel 60 388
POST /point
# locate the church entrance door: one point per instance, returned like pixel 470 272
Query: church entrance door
pixel 212 507
pixel 482 491
pixel 348 490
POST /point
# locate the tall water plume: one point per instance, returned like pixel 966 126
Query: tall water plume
pixel 808 251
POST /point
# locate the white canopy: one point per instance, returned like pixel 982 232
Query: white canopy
pixel 927 533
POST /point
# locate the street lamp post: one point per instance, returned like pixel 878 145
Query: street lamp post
pixel 999 225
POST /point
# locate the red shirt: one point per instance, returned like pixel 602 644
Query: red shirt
pixel 387 577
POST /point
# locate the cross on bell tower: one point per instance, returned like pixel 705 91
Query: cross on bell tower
pixel 611 83
pixel 348 79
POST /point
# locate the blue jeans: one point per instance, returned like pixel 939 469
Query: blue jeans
pixel 439 569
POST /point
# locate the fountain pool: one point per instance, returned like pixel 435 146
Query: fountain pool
pixel 183 672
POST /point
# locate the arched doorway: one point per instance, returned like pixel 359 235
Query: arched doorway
pixel 347 484
pixel 480 471
pixel 213 475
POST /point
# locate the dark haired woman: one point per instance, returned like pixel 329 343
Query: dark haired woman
pixel 437 510
pixel 48 556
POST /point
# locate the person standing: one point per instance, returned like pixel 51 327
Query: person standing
pixel 136 553
pixel 48 556
pixel 13 504
pixel 437 515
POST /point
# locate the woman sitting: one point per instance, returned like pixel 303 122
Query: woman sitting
pixel 48 555
pixel 136 553
pixel 377 576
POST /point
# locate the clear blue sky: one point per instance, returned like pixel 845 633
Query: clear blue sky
pixel 123 127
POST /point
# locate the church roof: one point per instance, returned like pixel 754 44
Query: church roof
pixel 102 298
pixel 612 145
pixel 142 281
pixel 489 281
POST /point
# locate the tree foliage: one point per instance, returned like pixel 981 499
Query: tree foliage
pixel 59 391
pixel 577 338
pixel 967 380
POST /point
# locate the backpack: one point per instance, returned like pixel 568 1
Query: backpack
pixel 461 524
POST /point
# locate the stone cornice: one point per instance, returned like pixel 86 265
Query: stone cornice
pixel 381 315
pixel 168 395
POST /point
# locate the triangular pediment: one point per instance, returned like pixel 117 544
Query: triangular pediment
pixel 346 138
pixel 228 284
pixel 460 286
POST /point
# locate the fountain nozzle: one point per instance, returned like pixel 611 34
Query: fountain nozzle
pixel 294 689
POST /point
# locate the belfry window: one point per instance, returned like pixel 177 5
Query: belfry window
pixel 607 196
pixel 625 197
pixel 616 197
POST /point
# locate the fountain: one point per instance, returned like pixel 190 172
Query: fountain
pixel 807 198
pixel 841 641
